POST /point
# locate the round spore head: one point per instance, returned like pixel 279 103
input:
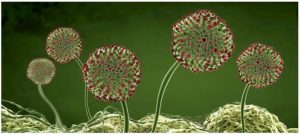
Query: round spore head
pixel 112 73
pixel 41 71
pixel 259 65
pixel 63 45
pixel 202 41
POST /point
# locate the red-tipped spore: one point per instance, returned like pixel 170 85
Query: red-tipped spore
pixel 41 71
pixel 112 73
pixel 64 45
pixel 202 41
pixel 259 65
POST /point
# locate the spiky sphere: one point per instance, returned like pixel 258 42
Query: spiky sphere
pixel 41 71
pixel 259 65
pixel 63 45
pixel 202 41
pixel 112 73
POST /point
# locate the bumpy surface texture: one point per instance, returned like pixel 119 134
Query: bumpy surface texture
pixel 103 122
pixel 113 123
pixel 41 71
pixel 225 119
pixel 202 41
pixel 64 45
pixel 257 119
pixel 259 65
pixel 112 73
pixel 169 124
pixel 12 122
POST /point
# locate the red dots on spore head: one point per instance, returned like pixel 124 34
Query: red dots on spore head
pixel 203 39
pixel 202 35
pixel 115 76
pixel 259 65
pixel 64 45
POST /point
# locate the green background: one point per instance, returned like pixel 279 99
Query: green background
pixel 145 28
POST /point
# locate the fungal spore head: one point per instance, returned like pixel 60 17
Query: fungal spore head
pixel 260 65
pixel 41 71
pixel 112 73
pixel 202 41
pixel 64 44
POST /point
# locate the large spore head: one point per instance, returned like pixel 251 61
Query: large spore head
pixel 112 73
pixel 202 41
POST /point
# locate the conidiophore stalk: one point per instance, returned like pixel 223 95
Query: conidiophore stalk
pixel 112 74
pixel 41 71
pixel 202 41
pixel 86 96
pixel 65 45
pixel 57 117
pixel 259 66
pixel 126 116
pixel 162 89
pixel 243 102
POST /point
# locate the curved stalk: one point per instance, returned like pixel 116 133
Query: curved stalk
pixel 126 116
pixel 162 90
pixel 243 102
pixel 41 92
pixel 86 96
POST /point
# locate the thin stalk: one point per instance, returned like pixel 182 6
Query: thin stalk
pixel 243 102
pixel 126 116
pixel 41 92
pixel 161 92
pixel 86 96
pixel 86 100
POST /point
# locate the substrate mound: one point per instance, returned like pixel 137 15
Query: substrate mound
pixel 257 119
pixel 224 119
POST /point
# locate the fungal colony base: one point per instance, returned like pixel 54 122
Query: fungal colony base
pixel 224 119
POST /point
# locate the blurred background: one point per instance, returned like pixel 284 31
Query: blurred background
pixel 145 28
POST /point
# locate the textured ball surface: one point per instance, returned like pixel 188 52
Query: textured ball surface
pixel 259 65
pixel 257 119
pixel 202 41
pixel 64 45
pixel 41 71
pixel 112 73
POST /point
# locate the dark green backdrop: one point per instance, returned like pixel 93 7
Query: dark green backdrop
pixel 145 28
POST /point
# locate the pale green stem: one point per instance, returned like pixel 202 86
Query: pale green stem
pixel 57 117
pixel 126 116
pixel 162 90
pixel 243 102
pixel 86 96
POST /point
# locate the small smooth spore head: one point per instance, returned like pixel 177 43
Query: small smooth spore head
pixel 41 71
